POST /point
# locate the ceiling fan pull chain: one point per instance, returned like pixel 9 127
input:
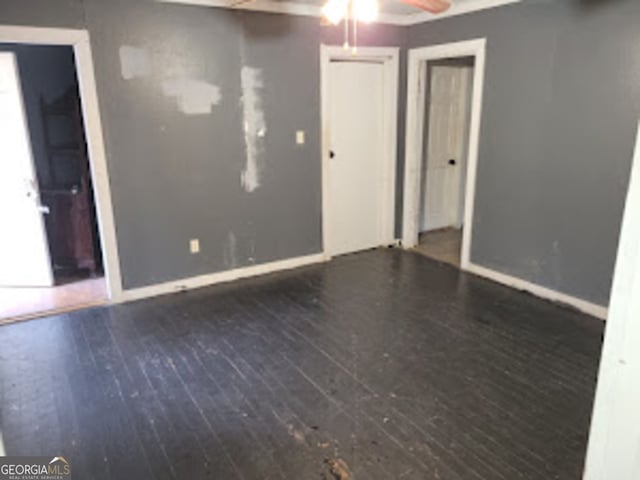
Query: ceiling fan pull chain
pixel 346 29
pixel 354 50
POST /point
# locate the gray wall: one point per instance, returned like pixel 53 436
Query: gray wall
pixel 561 106
pixel 175 176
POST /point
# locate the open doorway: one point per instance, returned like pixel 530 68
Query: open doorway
pixel 447 113
pixel 50 248
pixel 444 103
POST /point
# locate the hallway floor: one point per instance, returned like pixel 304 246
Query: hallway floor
pixel 380 365
pixel 19 303
pixel 443 245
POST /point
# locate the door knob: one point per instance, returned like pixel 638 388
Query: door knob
pixel 452 161
pixel 331 154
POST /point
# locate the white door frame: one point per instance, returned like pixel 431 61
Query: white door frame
pixel 79 40
pixel 416 97
pixel 614 438
pixel 389 58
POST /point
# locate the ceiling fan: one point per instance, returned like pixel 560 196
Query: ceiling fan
pixel 336 11
pixel 433 6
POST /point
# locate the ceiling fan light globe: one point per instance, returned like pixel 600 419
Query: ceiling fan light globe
pixel 335 10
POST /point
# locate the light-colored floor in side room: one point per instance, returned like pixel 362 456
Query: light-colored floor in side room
pixel 20 303
pixel 443 245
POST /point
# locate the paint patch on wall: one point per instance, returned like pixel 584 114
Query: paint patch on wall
pixel 231 252
pixel 252 251
pixel 194 97
pixel 255 127
pixel 135 62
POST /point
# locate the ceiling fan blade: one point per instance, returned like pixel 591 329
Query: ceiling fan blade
pixel 433 6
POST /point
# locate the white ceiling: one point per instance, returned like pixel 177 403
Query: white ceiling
pixel 391 11
pixel 394 7
pixel 386 6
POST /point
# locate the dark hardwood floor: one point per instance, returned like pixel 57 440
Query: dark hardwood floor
pixel 380 365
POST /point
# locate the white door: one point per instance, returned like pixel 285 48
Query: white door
pixel 24 252
pixel 446 134
pixel 356 163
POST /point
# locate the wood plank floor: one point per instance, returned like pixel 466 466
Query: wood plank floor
pixel 380 365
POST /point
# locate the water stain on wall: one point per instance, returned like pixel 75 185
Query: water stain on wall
pixel 194 97
pixel 255 127
pixel 135 62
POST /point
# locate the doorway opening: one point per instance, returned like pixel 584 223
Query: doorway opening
pixel 444 103
pixel 447 113
pixel 50 248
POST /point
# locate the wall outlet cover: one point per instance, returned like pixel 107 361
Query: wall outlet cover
pixel 300 137
pixel 194 245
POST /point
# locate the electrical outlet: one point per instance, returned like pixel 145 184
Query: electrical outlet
pixel 300 137
pixel 194 245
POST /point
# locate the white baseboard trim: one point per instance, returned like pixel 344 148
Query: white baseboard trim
pixel 255 270
pixel 218 277
pixel 539 291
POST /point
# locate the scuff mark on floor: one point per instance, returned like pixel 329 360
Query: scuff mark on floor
pixel 296 434
pixel 255 127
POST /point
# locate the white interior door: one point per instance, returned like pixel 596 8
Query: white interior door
pixel 356 163
pixel 445 149
pixel 24 252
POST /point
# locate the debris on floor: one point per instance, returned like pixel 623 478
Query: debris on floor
pixel 339 469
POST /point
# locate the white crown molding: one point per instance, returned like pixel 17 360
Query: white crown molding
pixel 304 9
